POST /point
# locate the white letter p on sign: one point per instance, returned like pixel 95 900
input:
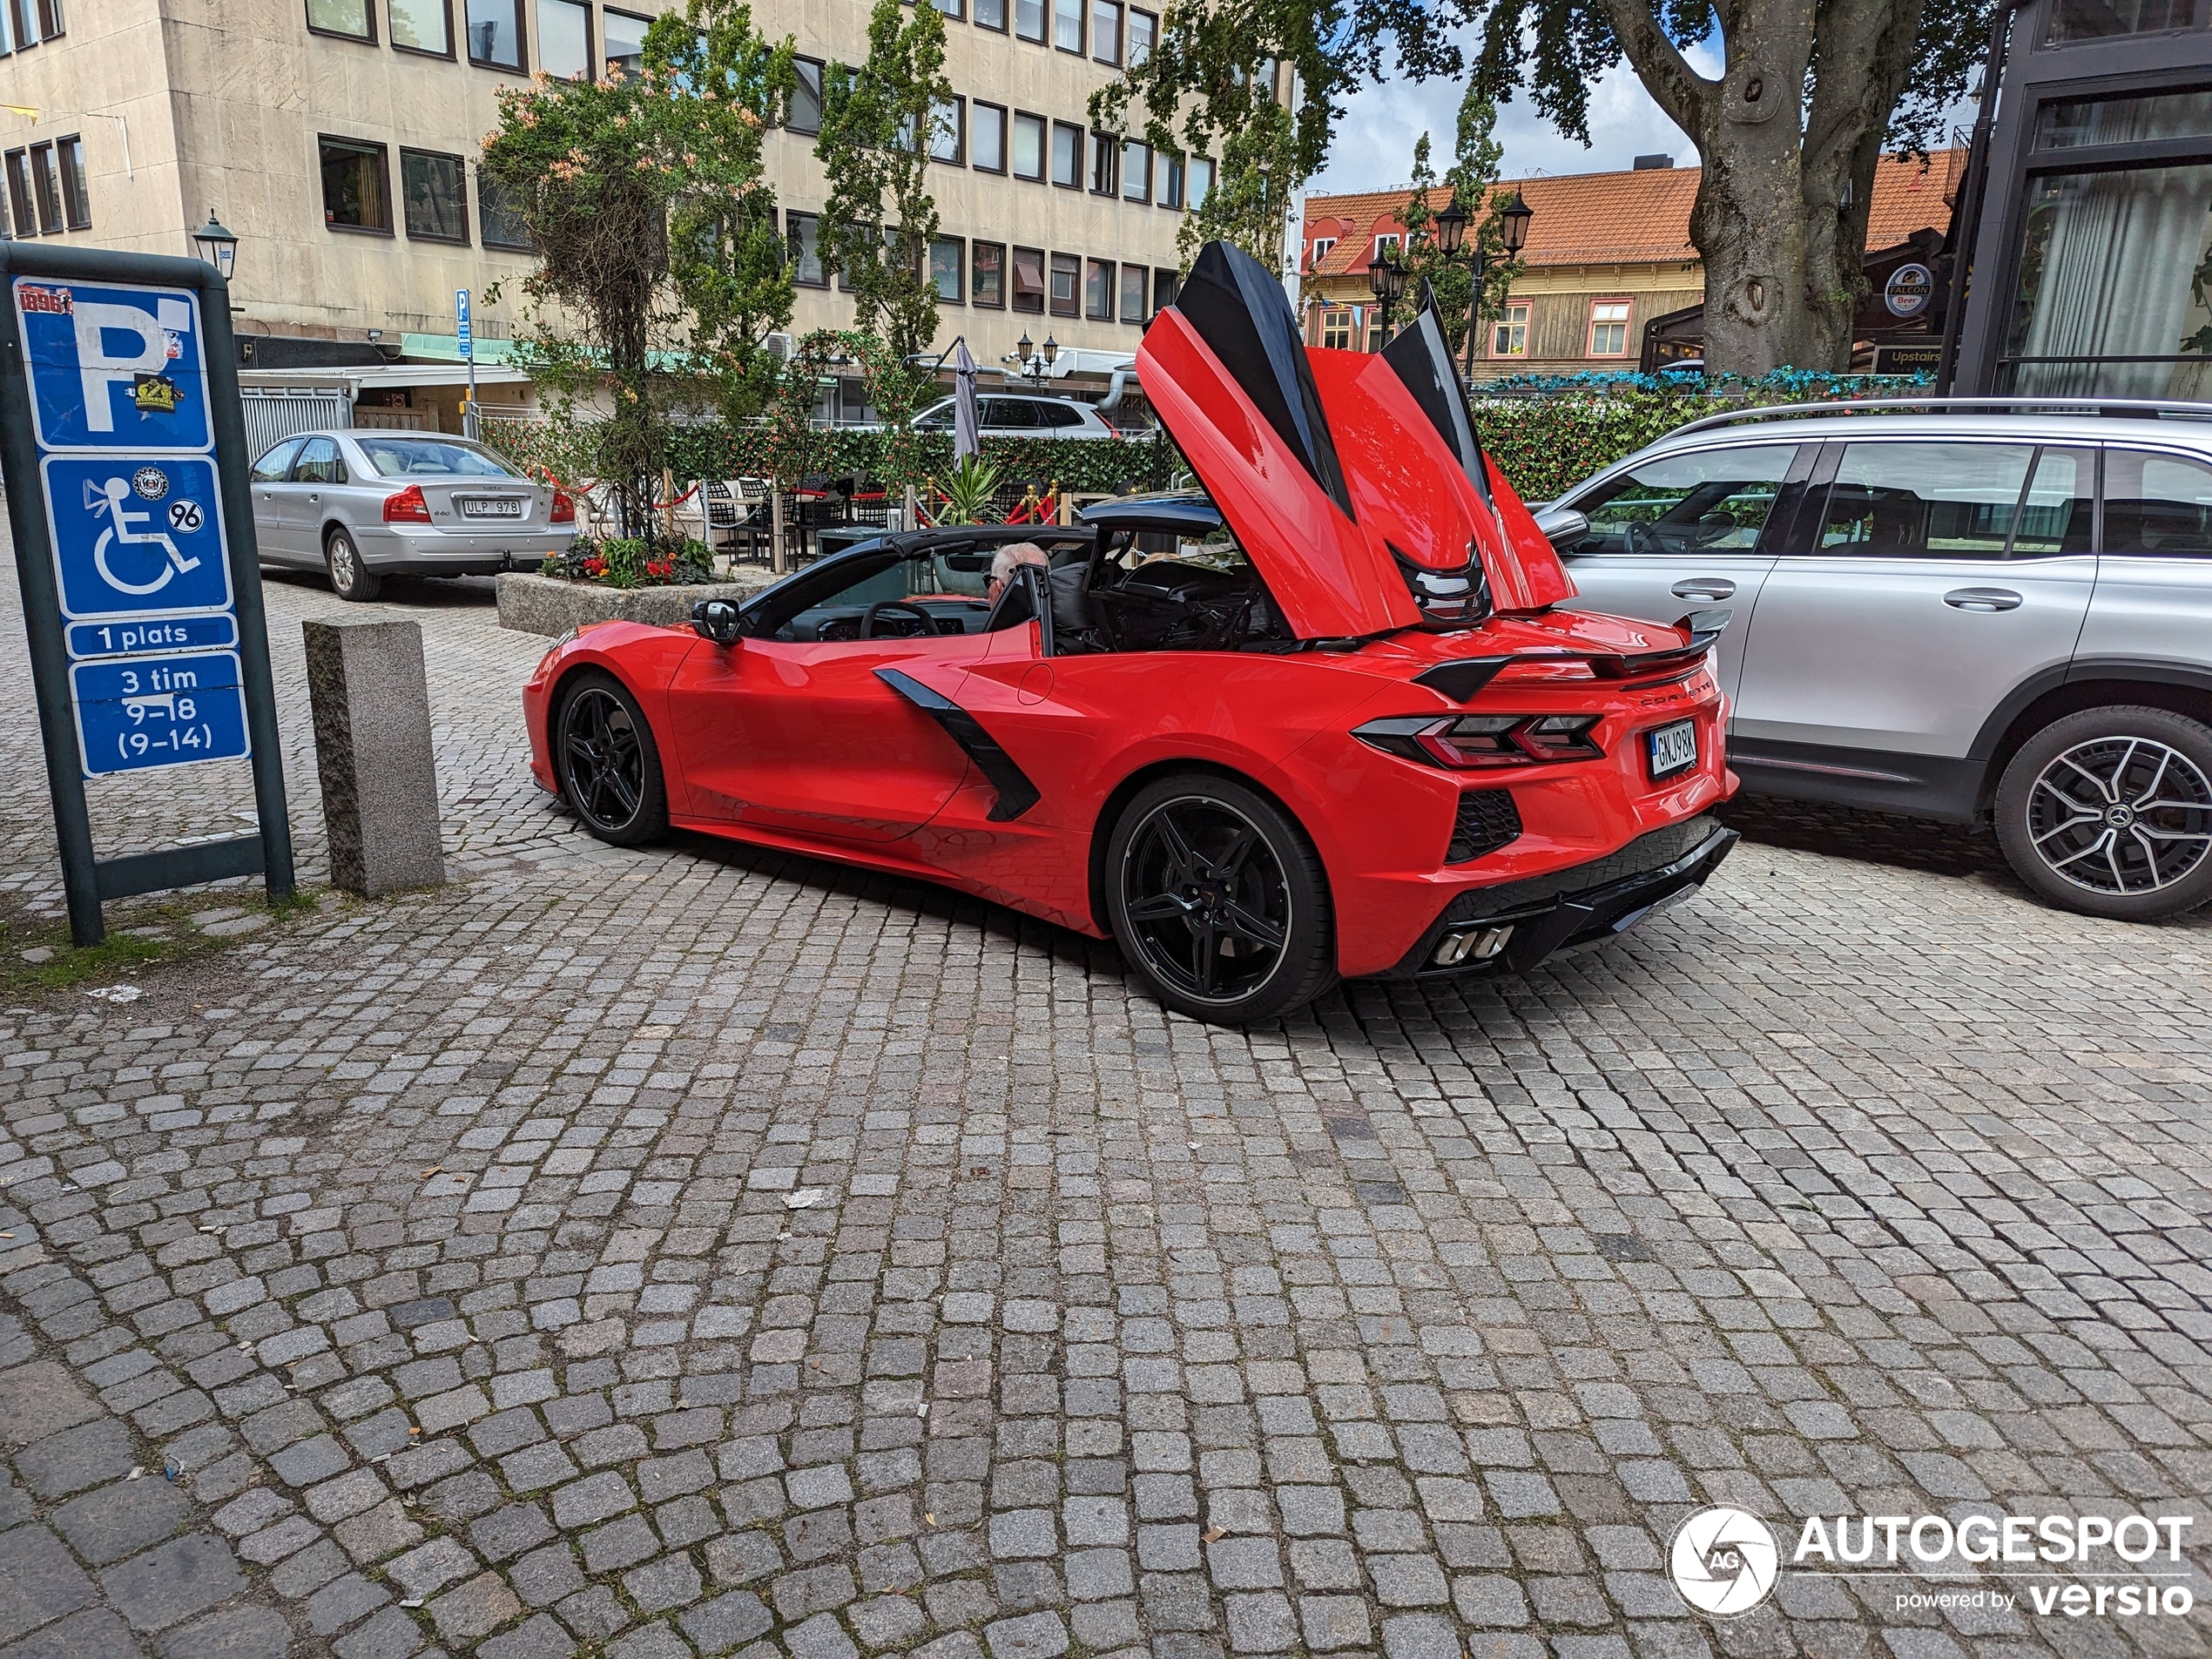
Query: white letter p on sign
pixel 94 321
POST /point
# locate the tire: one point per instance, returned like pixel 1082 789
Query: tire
pixel 2109 812
pixel 1218 900
pixel 606 762
pixel 350 578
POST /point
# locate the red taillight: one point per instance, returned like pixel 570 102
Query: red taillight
pixel 563 508
pixel 1465 742
pixel 407 507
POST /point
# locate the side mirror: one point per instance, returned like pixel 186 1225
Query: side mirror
pixel 1562 527
pixel 715 619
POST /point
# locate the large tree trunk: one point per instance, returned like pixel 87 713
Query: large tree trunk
pixel 1749 226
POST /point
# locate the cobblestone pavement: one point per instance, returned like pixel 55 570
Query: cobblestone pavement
pixel 698 1251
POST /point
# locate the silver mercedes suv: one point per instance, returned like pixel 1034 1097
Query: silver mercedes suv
pixel 1978 611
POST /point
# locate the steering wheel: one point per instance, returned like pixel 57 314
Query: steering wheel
pixel 928 624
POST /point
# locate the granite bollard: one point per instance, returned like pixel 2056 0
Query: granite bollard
pixel 380 778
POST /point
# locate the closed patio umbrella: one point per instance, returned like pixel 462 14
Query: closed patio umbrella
pixel 966 424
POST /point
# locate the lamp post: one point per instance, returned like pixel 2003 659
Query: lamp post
pixel 1387 281
pixel 216 246
pixel 1451 235
pixel 1034 361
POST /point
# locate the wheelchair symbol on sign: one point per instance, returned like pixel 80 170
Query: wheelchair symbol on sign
pixel 109 498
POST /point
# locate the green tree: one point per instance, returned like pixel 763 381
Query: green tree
pixel 659 274
pixel 1472 180
pixel 1789 132
pixel 878 121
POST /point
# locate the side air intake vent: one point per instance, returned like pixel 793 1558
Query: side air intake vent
pixel 1488 819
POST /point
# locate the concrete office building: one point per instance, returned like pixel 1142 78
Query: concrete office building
pixel 336 138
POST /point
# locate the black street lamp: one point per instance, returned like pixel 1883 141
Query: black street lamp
pixel 1032 361
pixel 216 246
pixel 1451 226
pixel 1386 280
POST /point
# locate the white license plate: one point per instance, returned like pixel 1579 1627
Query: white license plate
pixel 491 507
pixel 1673 748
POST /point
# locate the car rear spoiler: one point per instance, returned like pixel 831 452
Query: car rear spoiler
pixel 1464 680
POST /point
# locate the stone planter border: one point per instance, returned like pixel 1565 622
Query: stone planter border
pixel 545 605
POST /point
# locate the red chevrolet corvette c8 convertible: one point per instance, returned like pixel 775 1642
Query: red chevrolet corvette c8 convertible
pixel 1323 717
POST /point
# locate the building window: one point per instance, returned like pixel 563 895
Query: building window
pixel 76 199
pixel 1098 290
pixel 948 131
pixel 47 178
pixel 496 33
pixel 1028 20
pixel 987 275
pixel 565 40
pixel 1106 31
pixel 991 14
pixel 1337 323
pixel 1134 280
pixel 421 26
pixel 501 216
pixel 351 19
pixel 803 234
pixel 806 112
pixel 355 197
pixel 947 265
pixel 1028 278
pixel 1165 285
pixel 626 42
pixel 51 20
pixel 1105 165
pixel 987 136
pixel 1319 251
pixel 7 27
pixel 1066 282
pixel 1509 333
pixel 1067 156
pixel 1143 30
pixel 1608 327
pixel 1137 170
pixel 2072 20
pixel 434 198
pixel 1028 147
pixel 1200 180
pixel 1068 25
pixel 952 8
pixel 1385 247
pixel 1167 178
pixel 19 201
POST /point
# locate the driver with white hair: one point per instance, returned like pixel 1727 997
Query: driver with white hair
pixel 1005 559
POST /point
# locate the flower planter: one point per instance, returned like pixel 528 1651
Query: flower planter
pixel 546 604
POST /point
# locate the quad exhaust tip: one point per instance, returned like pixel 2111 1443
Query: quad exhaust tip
pixel 1470 944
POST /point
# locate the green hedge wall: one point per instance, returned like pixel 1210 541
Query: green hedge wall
pixel 1544 443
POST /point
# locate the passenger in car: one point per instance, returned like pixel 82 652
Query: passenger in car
pixel 1004 562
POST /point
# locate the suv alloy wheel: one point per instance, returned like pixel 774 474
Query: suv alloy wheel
pixel 2109 812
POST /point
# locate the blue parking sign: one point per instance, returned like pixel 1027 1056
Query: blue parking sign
pixel 113 366
pixel 136 535
pixel 135 712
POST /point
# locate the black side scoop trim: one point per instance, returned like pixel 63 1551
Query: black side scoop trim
pixel 1461 680
pixel 1016 794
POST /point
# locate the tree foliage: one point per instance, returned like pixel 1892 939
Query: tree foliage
pixel 878 121
pixel 659 273
pixel 1472 178
pixel 1810 95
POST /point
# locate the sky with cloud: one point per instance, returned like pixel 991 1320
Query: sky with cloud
pixel 1374 143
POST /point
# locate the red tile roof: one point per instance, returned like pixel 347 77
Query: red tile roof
pixel 1621 218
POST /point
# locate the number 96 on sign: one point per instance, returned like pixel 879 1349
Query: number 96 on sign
pixel 147 712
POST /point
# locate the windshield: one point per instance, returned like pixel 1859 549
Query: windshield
pixel 432 458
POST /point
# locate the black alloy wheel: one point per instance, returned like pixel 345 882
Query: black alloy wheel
pixel 608 764
pixel 2109 812
pixel 1218 900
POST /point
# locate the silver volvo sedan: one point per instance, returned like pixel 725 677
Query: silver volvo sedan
pixel 364 504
